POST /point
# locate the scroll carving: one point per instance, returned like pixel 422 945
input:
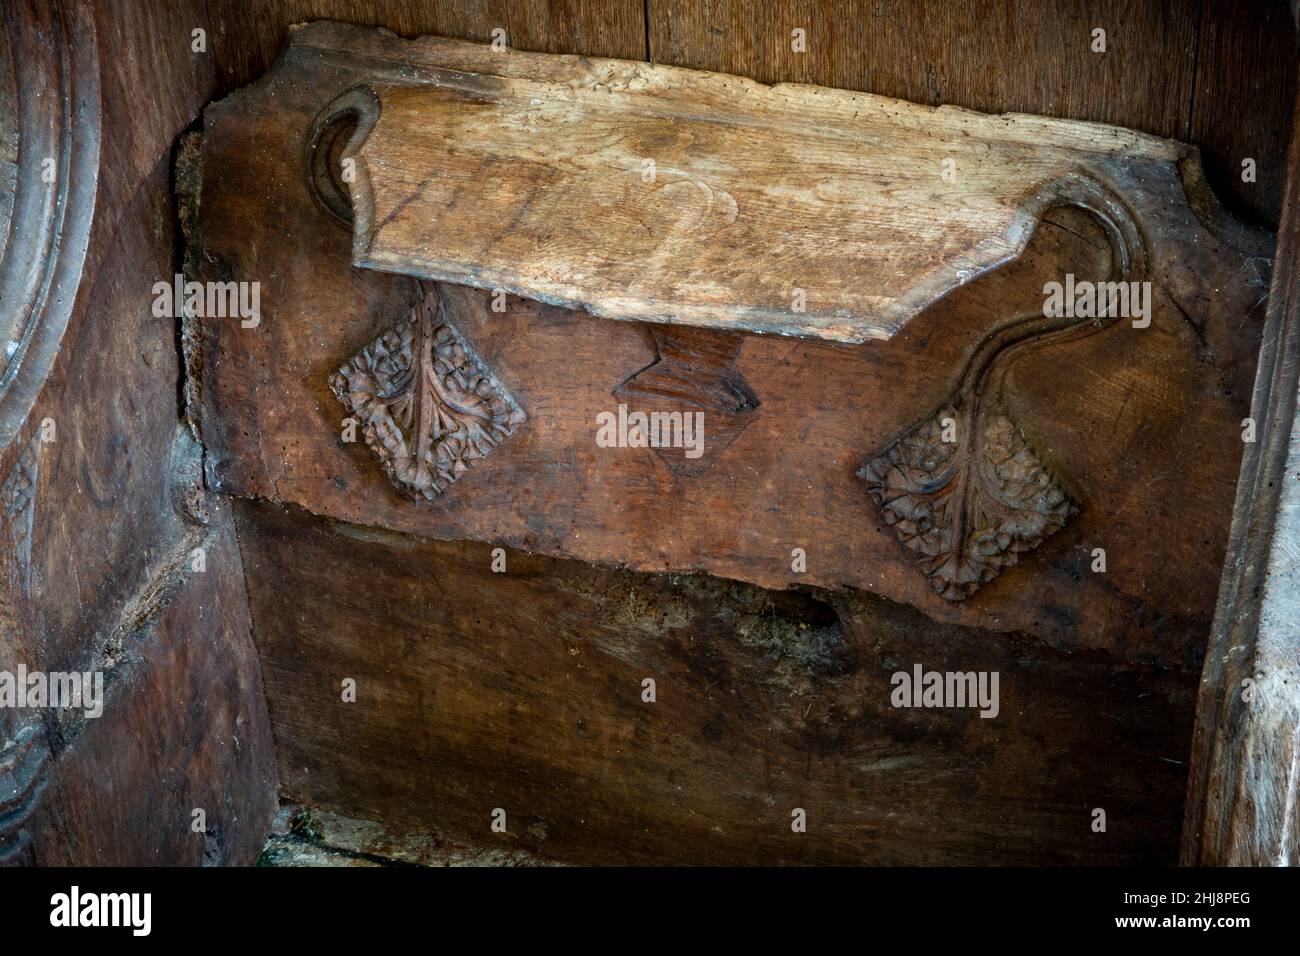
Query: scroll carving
pixel 426 405
pixel 963 488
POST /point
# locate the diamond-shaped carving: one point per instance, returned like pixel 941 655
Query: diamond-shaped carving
pixel 695 369
pixel 970 506
pixel 427 405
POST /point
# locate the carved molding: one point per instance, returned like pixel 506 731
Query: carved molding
pixel 1243 788
pixel 23 748
pixel 24 753
pixel 17 499
pixel 963 488
pixel 49 156
pixel 426 404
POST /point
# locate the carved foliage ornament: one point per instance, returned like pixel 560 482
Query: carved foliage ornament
pixel 967 508
pixel 963 488
pixel 427 406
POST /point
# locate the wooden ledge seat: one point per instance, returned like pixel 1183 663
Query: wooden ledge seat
pixel 659 194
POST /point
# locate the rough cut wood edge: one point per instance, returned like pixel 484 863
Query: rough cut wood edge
pixel 1073 148
pixel 1242 806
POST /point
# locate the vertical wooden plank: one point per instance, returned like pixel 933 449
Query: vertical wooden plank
pixel 990 55
pixel 1242 807
pixel 247 36
pixel 1241 105
pixel 98 528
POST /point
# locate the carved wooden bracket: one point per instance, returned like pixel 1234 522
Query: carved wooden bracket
pixel 721 213
pixel 697 200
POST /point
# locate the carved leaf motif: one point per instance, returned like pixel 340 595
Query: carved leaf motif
pixel 968 508
pixel 427 405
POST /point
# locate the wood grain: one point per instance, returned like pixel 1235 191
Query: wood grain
pixel 1208 73
pixel 97 580
pixel 523 690
pixel 1242 106
pixel 789 209
pixel 247 35
pixel 1110 412
pixel 987 55
pixel 1118 424
pixel 1243 795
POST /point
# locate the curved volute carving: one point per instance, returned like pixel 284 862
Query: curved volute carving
pixel 963 488
pixel 49 161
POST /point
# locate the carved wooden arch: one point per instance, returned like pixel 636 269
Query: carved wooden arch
pixel 52 91
pixel 50 119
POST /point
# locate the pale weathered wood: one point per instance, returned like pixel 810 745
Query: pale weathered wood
pixel 661 194
pixel 1209 76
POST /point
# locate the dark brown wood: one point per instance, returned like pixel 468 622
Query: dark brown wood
pixel 1242 106
pixel 1108 412
pixel 247 36
pixel 102 510
pixel 1204 72
pixel 1096 419
pixel 1029 60
pixel 694 373
pixel 523 690
pixel 184 729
